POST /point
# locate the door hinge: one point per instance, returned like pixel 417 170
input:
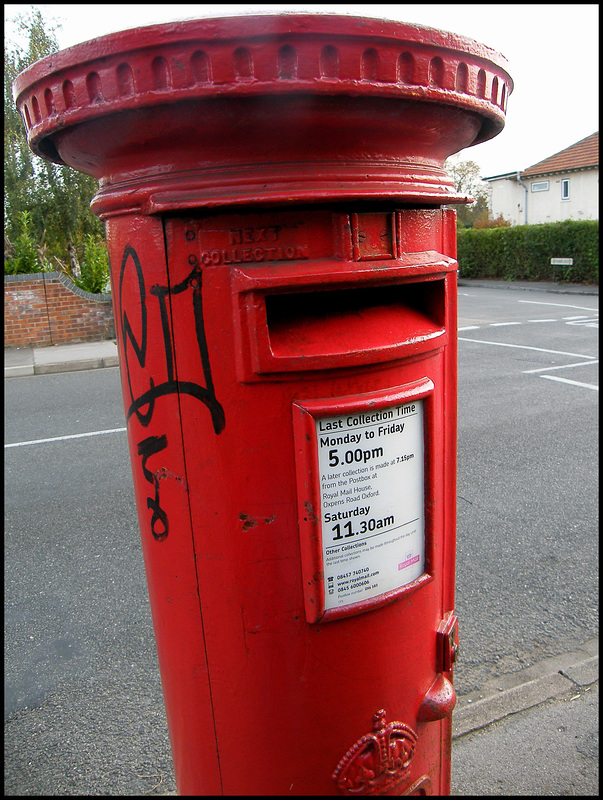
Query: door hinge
pixel 447 642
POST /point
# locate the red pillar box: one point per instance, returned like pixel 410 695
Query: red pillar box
pixel 284 284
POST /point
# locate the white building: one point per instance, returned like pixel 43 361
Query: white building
pixel 563 186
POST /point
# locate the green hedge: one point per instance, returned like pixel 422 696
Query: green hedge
pixel 524 252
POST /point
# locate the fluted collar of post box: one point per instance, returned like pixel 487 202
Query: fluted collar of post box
pixel 242 59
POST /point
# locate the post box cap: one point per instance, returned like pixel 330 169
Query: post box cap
pixel 93 106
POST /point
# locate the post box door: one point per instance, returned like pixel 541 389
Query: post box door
pixel 270 347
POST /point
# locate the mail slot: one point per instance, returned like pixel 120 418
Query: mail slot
pixel 283 257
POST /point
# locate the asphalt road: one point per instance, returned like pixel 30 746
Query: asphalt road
pixel 82 689
pixel 527 531
pixel 83 705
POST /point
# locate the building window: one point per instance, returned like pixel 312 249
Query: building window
pixel 540 186
pixel 565 189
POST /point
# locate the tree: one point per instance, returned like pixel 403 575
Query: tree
pixel 467 181
pixel 55 198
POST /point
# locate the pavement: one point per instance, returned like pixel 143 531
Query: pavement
pixel 23 361
pixel 531 732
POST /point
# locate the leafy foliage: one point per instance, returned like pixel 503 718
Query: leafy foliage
pixel 23 256
pixel 466 178
pixel 94 267
pixel 56 198
pixel 497 222
pixel 524 252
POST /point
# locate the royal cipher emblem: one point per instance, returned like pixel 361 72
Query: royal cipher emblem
pixel 379 760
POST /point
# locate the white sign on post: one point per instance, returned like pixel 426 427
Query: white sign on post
pixel 372 501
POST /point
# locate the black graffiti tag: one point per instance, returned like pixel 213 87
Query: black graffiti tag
pixel 146 448
pixel 137 347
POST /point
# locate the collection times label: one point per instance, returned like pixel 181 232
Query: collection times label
pixel 372 501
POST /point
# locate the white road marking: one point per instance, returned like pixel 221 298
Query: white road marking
pixel 587 322
pixel 583 319
pixel 561 366
pixel 64 438
pixel 561 305
pixel 573 383
pixel 525 347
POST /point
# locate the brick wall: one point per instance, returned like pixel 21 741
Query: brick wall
pixel 46 308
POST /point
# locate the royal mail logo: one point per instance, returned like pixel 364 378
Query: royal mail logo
pixel 408 562
pixel 379 760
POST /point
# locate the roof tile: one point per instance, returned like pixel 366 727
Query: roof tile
pixel 582 155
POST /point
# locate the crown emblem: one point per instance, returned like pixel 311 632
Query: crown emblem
pixel 379 760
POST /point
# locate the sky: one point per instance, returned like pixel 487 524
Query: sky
pixel 552 52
